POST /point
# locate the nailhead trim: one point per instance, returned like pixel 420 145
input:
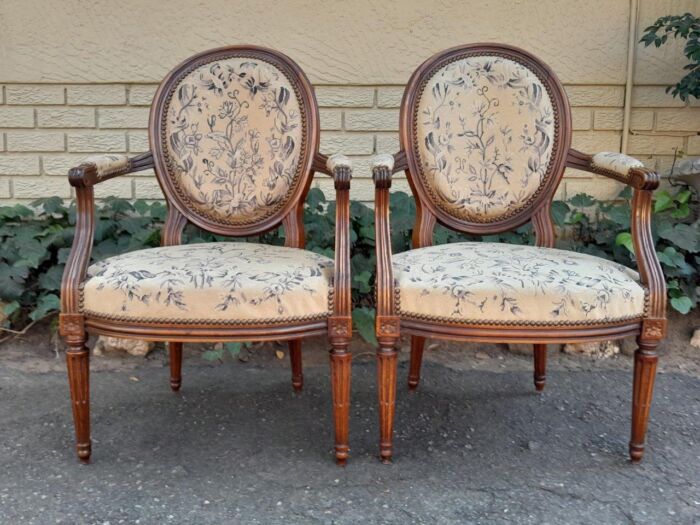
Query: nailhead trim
pixel 235 322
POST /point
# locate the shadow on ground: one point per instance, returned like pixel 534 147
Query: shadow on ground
pixel 238 446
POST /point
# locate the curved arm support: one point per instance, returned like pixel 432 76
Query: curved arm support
pixel 83 178
pixel 632 172
pixel 340 168
pixel 387 323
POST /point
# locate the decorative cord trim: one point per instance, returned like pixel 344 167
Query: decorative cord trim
pixel 416 148
pixel 289 75
pixel 490 322
pixel 234 322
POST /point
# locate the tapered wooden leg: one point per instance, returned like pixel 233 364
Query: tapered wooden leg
pixel 175 351
pixel 295 360
pixel 645 359
pixel 540 366
pixel 386 386
pixel 340 386
pixel 417 346
pixel 78 362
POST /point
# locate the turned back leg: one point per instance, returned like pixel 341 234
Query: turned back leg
pixel 295 361
pixel 175 352
pixel 417 346
pixel 540 366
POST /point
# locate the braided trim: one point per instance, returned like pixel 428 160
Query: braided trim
pixel 227 322
pixel 465 215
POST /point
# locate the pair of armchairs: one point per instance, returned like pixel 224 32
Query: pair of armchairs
pixel 485 137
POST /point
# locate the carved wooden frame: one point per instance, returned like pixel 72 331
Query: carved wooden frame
pixel 650 329
pixel 74 324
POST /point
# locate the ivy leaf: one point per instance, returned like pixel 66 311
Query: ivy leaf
pixel 684 236
pixel 47 304
pixel 582 200
pixel 363 319
pixel 682 304
pixel 625 239
pixel 213 355
pixel 670 257
pixel 233 348
pixel 663 201
pixel 560 209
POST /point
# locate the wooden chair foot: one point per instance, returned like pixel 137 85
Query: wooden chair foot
pixel 636 452
pixel 84 451
pixel 413 382
pixel 175 384
pixel 539 383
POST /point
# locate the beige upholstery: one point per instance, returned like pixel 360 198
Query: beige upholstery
pixel 226 282
pixel 108 164
pixel 383 160
pixel 476 282
pixel 485 135
pixel 616 162
pixel 338 161
pixel 233 139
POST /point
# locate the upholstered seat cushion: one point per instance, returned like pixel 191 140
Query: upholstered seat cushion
pixel 475 282
pixel 225 282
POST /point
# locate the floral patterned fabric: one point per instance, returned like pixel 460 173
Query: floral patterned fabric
pixel 225 282
pixel 233 139
pixel 108 164
pixel 475 282
pixel 485 135
pixel 616 162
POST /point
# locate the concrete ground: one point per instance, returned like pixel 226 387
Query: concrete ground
pixel 475 444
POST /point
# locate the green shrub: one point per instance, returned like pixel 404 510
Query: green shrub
pixel 36 240
pixel 686 27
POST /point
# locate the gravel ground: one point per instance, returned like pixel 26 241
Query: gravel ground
pixel 238 446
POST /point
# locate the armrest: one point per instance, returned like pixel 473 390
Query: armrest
pixel 340 168
pixel 387 322
pixel 632 172
pixel 83 178
pixel 617 166
pixel 100 168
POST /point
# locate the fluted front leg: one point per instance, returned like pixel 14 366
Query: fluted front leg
pixel 340 384
pixel 645 360
pixel 386 386
pixel 295 362
pixel 78 361
pixel 175 351
pixel 417 346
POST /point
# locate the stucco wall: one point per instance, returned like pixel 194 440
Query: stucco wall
pixel 77 77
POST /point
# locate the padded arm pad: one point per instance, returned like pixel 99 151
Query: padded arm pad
pixel 618 163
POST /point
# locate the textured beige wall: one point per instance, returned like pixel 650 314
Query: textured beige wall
pixel 77 77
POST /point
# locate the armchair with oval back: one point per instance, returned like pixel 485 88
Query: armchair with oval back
pixel 234 135
pixel 485 134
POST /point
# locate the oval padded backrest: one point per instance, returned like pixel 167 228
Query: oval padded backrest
pixel 486 125
pixel 233 137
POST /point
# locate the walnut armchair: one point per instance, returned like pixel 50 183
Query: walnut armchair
pixel 234 136
pixel 485 135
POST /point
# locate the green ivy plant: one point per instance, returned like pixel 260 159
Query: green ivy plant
pixel 35 241
pixel 684 26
